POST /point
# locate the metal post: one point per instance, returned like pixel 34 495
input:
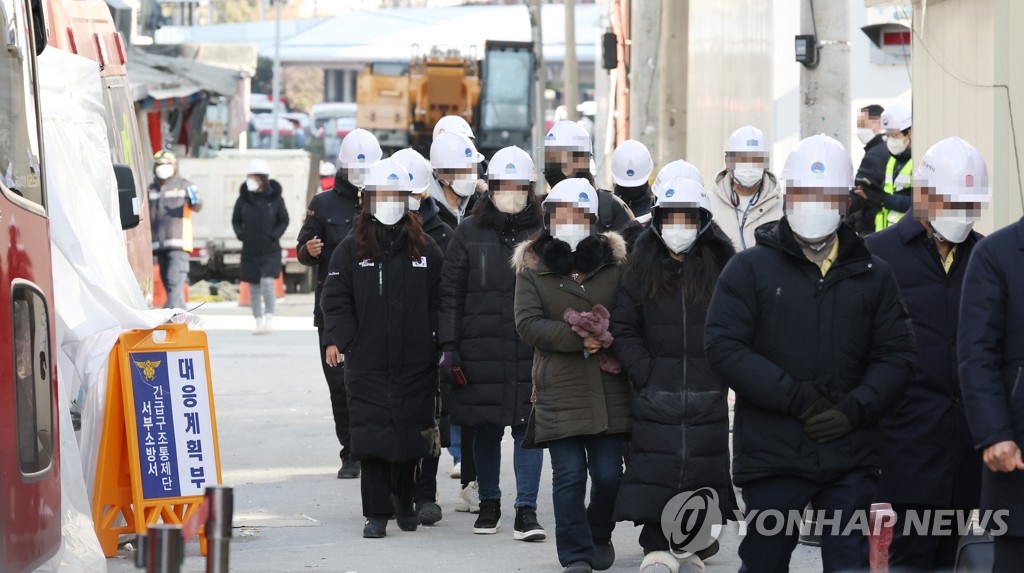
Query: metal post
pixel 826 87
pixel 221 503
pixel 572 75
pixel 673 48
pixel 276 97
pixel 165 549
pixel 539 78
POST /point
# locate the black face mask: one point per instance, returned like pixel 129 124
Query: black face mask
pixel 553 175
pixel 630 194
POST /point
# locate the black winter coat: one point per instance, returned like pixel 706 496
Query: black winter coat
pixel 991 348
pixel 640 200
pixel 382 315
pixel 478 317
pixel 330 216
pixel 775 323
pixel 928 456
pixel 260 219
pixel 434 225
pixel 680 408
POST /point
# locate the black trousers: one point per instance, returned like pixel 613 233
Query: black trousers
pixel 380 479
pixel 769 553
pixel 468 458
pixel 1009 552
pixel 914 553
pixel 426 485
pixel 339 398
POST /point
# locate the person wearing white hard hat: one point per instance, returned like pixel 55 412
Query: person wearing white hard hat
pixel 423 205
pixel 567 278
pixel 172 200
pixel 631 171
pixel 896 195
pixel 453 124
pixel 329 219
pixel 479 339
pixel 456 164
pixel 658 325
pixel 811 333
pixel 380 307
pixel 929 253
pixel 668 173
pixel 327 172
pixel 990 348
pixel 260 219
pixel 746 194
pixel 568 152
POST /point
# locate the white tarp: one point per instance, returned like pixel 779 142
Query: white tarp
pixel 96 295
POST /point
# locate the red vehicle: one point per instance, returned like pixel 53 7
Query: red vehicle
pixel 30 527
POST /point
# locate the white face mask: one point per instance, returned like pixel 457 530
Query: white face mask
pixel 415 203
pixel 896 146
pixel 252 185
pixel 572 234
pixel 865 134
pixel 510 202
pixel 389 212
pixel 356 176
pixel 678 238
pixel 464 187
pixel 164 172
pixel 952 226
pixel 748 174
pixel 812 221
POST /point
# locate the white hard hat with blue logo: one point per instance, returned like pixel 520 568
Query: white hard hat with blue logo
pixel 631 164
pixel 388 175
pixel 511 164
pixel 359 149
pixel 453 151
pixel 576 192
pixel 417 166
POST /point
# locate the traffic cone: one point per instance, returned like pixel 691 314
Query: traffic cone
pixel 159 292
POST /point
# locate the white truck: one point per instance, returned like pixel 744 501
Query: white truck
pixel 218 253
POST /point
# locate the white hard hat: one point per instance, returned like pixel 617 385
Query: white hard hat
pixel 819 161
pixel 511 164
pixel 359 148
pixel 416 165
pixel 897 118
pixel 387 175
pixel 453 124
pixel 631 164
pixel 327 169
pixel 567 134
pixel 453 151
pixel 258 167
pixel 678 168
pixel 577 192
pixel 747 139
pixel 682 192
pixel 954 168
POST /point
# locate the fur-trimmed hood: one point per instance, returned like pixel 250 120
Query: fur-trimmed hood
pixel 536 254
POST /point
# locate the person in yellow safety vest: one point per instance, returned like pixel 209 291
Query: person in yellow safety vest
pixel 172 200
pixel 897 121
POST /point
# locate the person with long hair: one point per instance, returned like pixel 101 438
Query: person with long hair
pixel 380 305
pixel 478 337
pixel 567 278
pixel 680 410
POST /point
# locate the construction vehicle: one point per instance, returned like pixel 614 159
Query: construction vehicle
pixel 400 103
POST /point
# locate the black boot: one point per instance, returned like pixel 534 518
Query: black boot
pixel 428 512
pixel 490 517
pixel 349 469
pixel 405 514
pixel 604 556
pixel 527 526
pixel 375 528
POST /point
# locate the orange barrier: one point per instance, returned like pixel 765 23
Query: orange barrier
pixel 243 290
pixel 159 292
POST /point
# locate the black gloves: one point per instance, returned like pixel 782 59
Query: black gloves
pixel 808 401
pixel 835 422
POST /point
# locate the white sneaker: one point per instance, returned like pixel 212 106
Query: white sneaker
pixel 268 323
pixel 469 499
pixel 260 328
pixel 691 564
pixel 659 562
pixel 456 472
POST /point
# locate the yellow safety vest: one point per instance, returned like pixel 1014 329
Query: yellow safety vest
pixel 885 217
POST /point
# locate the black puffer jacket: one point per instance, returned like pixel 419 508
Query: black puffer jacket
pixel 680 410
pixel 330 216
pixel 776 325
pixel 434 225
pixel 259 221
pixel 382 315
pixel 478 320
pixel 640 200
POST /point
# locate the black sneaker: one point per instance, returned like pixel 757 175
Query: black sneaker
pixel 428 512
pixel 527 528
pixel 349 469
pixel 375 527
pixel 578 567
pixel 488 521
pixel 604 556
pixel 405 514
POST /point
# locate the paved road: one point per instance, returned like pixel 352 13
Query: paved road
pixel 292 514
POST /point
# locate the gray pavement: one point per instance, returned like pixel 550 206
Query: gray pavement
pixel 279 452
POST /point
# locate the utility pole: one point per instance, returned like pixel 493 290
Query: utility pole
pixel 539 80
pixel 645 24
pixel 673 51
pixel 826 87
pixel 572 75
pixel 276 97
pixel 259 3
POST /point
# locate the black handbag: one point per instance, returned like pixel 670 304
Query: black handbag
pixel 975 553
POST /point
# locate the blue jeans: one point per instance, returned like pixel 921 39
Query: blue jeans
pixel 527 464
pixel 455 449
pixel 578 527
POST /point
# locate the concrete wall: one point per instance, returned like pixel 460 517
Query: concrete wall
pixel 962 48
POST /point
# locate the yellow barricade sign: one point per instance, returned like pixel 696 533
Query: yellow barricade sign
pixel 159 449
